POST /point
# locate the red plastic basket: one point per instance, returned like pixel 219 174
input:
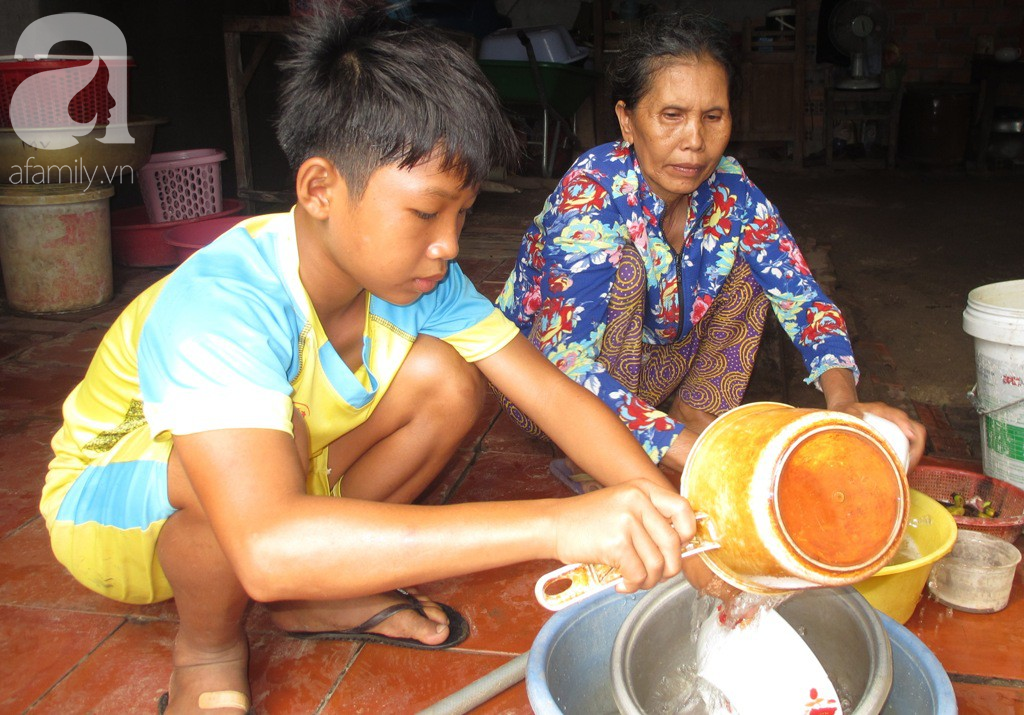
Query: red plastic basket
pixel 941 480
pixel 51 105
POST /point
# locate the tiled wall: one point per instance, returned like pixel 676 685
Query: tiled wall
pixel 818 76
pixel 939 37
pixel 936 39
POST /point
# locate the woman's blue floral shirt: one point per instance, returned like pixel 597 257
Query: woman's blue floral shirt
pixel 568 258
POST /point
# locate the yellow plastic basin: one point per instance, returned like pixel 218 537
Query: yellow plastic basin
pixel 896 589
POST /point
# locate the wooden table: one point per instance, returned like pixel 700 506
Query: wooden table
pixel 863 105
pixel 982 653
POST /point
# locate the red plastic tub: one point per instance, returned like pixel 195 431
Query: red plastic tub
pixel 189 237
pixel 138 242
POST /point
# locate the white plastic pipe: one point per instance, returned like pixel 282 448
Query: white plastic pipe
pixel 482 690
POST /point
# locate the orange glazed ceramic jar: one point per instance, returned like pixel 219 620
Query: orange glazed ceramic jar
pixel 798 498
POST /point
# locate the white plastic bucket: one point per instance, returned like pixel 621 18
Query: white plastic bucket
pixel 995 319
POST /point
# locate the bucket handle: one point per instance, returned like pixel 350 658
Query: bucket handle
pixel 972 395
pixel 569 584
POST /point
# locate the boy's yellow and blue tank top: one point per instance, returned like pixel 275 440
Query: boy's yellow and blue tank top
pixel 231 340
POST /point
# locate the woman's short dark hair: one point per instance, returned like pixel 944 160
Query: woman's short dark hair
pixel 367 91
pixel 664 37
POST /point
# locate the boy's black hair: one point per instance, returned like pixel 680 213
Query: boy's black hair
pixel 662 38
pixel 365 91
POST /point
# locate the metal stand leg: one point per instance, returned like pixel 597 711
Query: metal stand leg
pixel 544 170
pixel 549 113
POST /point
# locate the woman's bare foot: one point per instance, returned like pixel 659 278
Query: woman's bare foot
pixel 694 419
pixel 320 616
pixel 217 680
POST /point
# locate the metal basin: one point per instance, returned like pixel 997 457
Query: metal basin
pixel 570 662
pixel 838 625
pixel 89 161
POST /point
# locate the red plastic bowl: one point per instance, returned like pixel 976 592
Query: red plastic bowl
pixel 189 237
pixel 135 241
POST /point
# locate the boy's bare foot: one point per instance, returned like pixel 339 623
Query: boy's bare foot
pixel 333 616
pixel 211 683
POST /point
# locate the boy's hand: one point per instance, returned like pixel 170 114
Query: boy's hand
pixel 736 608
pixel 639 528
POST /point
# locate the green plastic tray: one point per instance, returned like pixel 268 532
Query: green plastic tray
pixel 565 86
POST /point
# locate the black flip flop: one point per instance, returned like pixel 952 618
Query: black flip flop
pixel 458 627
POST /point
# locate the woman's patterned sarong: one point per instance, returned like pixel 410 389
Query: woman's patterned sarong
pixel 709 368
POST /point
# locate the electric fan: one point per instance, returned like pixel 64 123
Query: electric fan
pixel 857 28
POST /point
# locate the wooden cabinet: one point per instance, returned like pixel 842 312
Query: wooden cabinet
pixel 998 82
pixel 240 71
pixel 770 102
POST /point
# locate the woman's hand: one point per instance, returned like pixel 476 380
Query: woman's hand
pixel 841 396
pixel 638 527
pixel 737 607
pixel 914 431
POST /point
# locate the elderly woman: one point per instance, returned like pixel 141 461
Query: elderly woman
pixel 648 274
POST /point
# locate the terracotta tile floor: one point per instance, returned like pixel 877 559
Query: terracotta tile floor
pixel 64 649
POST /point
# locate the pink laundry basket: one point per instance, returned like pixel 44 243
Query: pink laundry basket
pixel 182 185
